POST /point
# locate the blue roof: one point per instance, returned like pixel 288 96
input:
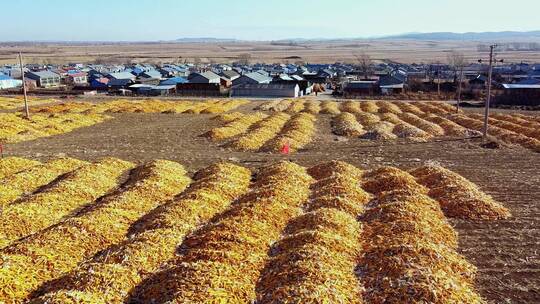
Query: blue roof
pixel 4 77
pixel 173 81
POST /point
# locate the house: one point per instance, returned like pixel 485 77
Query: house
pixel 151 74
pixel 201 89
pixel 266 90
pixel 326 73
pixel 205 77
pixel 306 87
pixel 7 82
pixel 231 75
pixel 519 94
pixel 76 78
pixel 99 83
pixel 173 81
pixel 119 83
pixel 44 79
pixel 121 75
pixel 252 78
pixel 390 84
pixel 360 88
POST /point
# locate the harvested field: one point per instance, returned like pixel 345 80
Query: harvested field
pixel 9 103
pixel 280 232
pixel 413 194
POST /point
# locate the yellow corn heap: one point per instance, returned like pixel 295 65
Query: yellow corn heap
pixel 268 105
pixel 296 106
pixel 427 126
pixel 409 254
pixel 448 108
pixel 77 189
pixel 330 107
pixel 351 107
pixel 315 261
pixel 408 107
pixel 345 124
pixel 52 252
pixel 7 103
pixel 15 128
pixel 475 122
pixel 228 117
pixel 222 261
pixel 282 105
pixel 388 107
pixel 450 128
pixel 367 119
pixel 433 108
pixel 380 131
pixel 11 165
pixel 510 126
pixel 26 182
pixel 369 107
pixel 458 196
pixel 298 133
pixel 520 119
pixel 260 133
pixel 387 179
pixel 110 276
pixel 403 129
pixel 312 107
pixel 235 127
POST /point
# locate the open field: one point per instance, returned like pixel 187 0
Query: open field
pixel 405 51
pixel 303 220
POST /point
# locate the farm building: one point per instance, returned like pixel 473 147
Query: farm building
pixel 173 81
pixel 391 84
pixel 201 89
pixel 252 78
pixel 519 94
pixel 360 88
pixel 7 82
pixel 266 90
pixel 44 79
pixel 121 75
pixel 231 75
pixel 206 77
pixel 77 78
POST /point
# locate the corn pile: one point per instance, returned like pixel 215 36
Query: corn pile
pixel 7 103
pixel 144 106
pixel 222 262
pixel 26 182
pixel 268 106
pixel 523 120
pixel 260 133
pixel 276 105
pixel 73 191
pixel 312 107
pixel 387 179
pixel 49 253
pixel 369 107
pixel 458 196
pixel 296 106
pixel 514 127
pixel 425 125
pixel 408 107
pixel 409 253
pixel 351 107
pixel 228 117
pixel 314 262
pixel 435 108
pixel 110 276
pixel 235 127
pixel 298 132
pixel 330 107
pixel 345 124
pixel 475 122
pixel 380 131
pixel 367 119
pixel 388 107
pixel 450 128
pixel 403 129
pixel 15 128
pixel 11 165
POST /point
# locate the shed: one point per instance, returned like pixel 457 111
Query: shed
pixel 7 82
pixel 206 77
pixel 44 79
pixel 252 78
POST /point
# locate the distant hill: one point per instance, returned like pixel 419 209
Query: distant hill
pixel 508 35
pixel 205 40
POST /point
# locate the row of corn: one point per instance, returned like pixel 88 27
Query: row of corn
pixel 111 276
pixel 9 103
pixel 15 128
pixel 235 127
pixel 409 249
pixel 49 253
pixel 260 133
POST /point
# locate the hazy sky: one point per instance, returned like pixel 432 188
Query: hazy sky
pixel 136 20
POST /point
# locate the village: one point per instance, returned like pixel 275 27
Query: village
pixel 514 84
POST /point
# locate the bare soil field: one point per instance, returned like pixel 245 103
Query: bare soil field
pixel 507 252
pixel 406 51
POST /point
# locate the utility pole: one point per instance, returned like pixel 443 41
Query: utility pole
pixel 459 88
pixel 488 99
pixel 26 110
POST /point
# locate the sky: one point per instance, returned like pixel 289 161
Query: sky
pixel 152 20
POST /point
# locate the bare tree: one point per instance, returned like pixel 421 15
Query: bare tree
pixel 458 62
pixel 365 63
pixel 244 58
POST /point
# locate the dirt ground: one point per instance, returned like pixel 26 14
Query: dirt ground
pixel 506 252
